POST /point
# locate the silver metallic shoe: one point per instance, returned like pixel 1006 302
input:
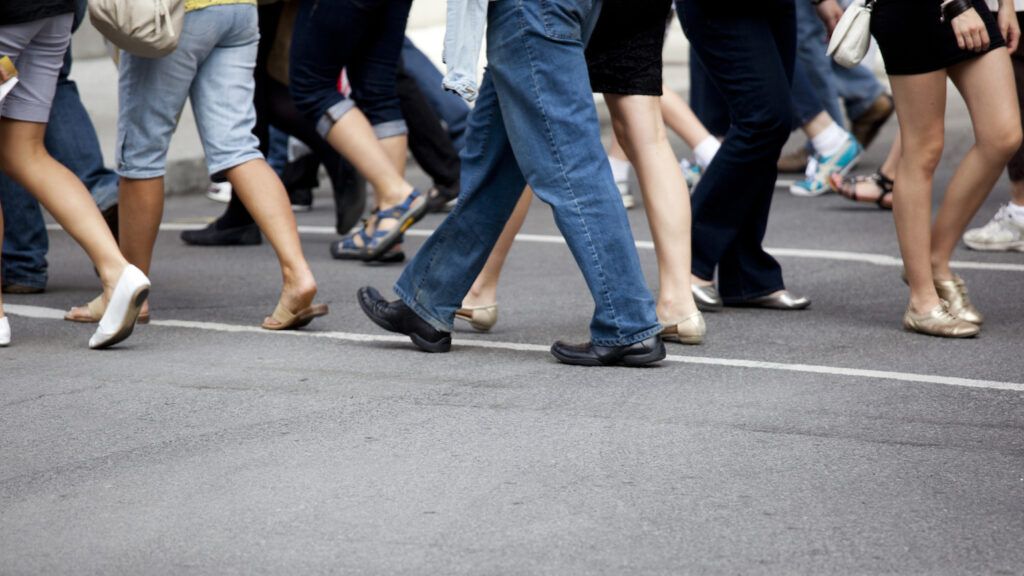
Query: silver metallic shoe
pixel 481 318
pixel 707 297
pixel 690 330
pixel 954 292
pixel 939 322
pixel 783 300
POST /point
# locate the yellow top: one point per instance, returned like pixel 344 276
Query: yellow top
pixel 191 5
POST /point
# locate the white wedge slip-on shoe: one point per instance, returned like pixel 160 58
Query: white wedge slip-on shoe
pixel 118 321
pixel 5 332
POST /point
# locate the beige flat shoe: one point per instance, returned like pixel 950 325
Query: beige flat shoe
pixel 481 318
pixel 95 310
pixel 939 322
pixel 690 330
pixel 955 293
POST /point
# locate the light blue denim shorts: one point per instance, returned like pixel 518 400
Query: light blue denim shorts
pixel 213 65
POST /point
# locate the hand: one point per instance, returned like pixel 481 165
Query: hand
pixel 1009 26
pixel 970 31
pixel 830 12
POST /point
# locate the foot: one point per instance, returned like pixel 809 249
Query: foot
pixel 385 227
pixel 124 303
pixel 875 189
pixel 820 171
pixel 297 295
pixel 1003 233
pixel 691 173
pixel 215 235
pixel 219 192
pixel 397 317
pixel 481 318
pixel 706 296
pixel 938 322
pixel 642 353
pixel 866 126
pixel 691 329
pixel 794 162
pixel 5 330
pixel 439 197
pixel 301 199
pixel 779 300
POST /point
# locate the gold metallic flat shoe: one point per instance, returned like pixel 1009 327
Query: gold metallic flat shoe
pixel 939 322
pixel 782 301
pixel 707 297
pixel 955 293
pixel 689 330
pixel 481 318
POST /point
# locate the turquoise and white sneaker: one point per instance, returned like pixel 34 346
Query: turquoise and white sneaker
pixel 691 173
pixel 821 168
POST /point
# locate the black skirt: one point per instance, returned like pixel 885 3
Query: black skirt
pixel 624 54
pixel 913 40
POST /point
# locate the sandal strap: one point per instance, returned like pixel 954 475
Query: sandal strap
pixel 396 212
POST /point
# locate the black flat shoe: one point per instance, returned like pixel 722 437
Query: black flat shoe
pixel 248 235
pixel 589 354
pixel 397 317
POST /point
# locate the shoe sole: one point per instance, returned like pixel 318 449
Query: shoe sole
pixel 441 346
pixel 996 247
pixel 128 324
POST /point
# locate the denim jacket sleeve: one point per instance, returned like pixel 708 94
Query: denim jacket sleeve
pixel 463 38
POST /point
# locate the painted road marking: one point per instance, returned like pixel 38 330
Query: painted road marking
pixel 468 341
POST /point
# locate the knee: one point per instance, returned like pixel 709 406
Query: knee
pixel 1004 142
pixel 923 154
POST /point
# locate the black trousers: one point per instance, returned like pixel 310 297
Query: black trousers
pixel 749 56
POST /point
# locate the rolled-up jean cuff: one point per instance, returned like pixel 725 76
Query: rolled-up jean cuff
pixel 422 312
pixel 332 115
pixel 630 340
pixel 142 174
pixel 217 171
pixel 390 129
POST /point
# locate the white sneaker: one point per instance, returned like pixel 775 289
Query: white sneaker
pixel 1001 234
pixel 219 192
pixel 627 194
pixel 5 332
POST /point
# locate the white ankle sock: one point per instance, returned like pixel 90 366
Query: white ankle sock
pixel 830 141
pixel 1016 212
pixel 705 152
pixel 620 168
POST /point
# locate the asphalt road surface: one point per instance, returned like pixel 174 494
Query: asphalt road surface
pixel 824 441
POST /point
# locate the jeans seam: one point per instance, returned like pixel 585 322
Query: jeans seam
pixel 605 294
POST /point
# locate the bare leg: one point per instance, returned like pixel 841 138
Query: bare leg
pixel 1 256
pixel 866 189
pixel 263 195
pixel 988 88
pixel 639 126
pixel 23 157
pixel 484 291
pixel 353 137
pixel 892 161
pixel 681 119
pixel 921 107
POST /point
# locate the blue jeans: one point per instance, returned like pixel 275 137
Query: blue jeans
pixel 452 109
pixel 749 58
pixel 535 122
pixel 364 37
pixel 857 87
pixel 71 140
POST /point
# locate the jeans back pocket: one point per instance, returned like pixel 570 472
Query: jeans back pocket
pixel 564 19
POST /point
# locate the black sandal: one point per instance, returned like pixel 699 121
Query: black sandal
pixel 846 186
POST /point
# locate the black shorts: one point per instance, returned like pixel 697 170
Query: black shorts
pixel 624 53
pixel 913 40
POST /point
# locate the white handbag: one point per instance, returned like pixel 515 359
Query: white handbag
pixel 147 28
pixel 852 36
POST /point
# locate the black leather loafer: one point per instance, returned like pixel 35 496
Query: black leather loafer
pixel 213 236
pixel 397 317
pixel 589 354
